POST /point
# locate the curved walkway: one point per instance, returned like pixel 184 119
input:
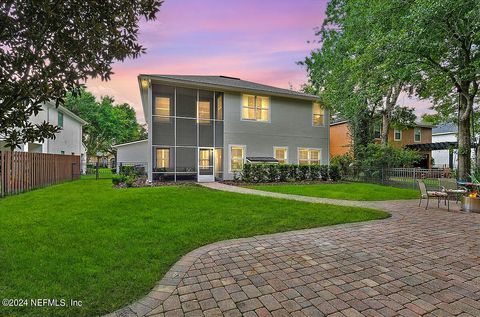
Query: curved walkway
pixel 416 263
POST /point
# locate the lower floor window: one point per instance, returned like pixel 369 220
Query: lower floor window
pixel 281 154
pixel 163 158
pixel 308 156
pixel 237 157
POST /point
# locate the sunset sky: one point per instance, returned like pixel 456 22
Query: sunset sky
pixel 251 39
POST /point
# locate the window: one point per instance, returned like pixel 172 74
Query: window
pixel 377 131
pixel 204 159
pixel 255 108
pixel 162 106
pixel 60 119
pixel 318 115
pixel 417 135
pixel 237 157
pixel 308 156
pixel 219 114
pixel 62 152
pixel 163 158
pixel 397 135
pixel 281 154
pixel 203 111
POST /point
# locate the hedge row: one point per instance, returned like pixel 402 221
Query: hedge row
pixel 270 173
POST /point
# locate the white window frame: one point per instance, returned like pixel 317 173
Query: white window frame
pixel 313 115
pixel 230 146
pixel 395 135
pixel 283 148
pixel 255 108
pixel 309 154
pixel 414 134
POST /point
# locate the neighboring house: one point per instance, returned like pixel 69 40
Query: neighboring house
pixel 67 141
pixel 421 133
pixel 104 159
pixel 207 127
pixel 444 151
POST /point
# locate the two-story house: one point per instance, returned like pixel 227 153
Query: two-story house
pixel 68 140
pixel 206 127
pixel 421 133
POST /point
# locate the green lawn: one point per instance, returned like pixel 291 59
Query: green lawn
pixel 107 247
pixel 348 191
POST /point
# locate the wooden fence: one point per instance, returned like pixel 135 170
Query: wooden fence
pixel 21 171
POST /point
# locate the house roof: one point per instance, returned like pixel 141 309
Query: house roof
pixel 445 128
pixel 417 124
pixel 230 83
pixel 128 143
pixel 434 146
pixel 67 112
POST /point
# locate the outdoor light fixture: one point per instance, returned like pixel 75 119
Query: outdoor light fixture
pixel 145 83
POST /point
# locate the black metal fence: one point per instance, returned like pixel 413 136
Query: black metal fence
pixel 397 177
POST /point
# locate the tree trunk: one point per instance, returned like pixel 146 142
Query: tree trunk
pixel 464 141
pixel 390 102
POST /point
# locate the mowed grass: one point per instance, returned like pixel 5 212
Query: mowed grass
pixel 348 191
pixel 108 247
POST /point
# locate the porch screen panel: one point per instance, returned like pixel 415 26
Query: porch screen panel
pixel 163 100
pixel 186 132
pixel 205 101
pixel 219 105
pixel 218 133
pixel 163 131
pixel 205 131
pixel 219 163
pixel 186 160
pixel 186 103
pixel 163 160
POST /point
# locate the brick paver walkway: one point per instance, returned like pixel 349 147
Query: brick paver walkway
pixel 416 263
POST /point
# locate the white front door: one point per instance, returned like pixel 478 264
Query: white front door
pixel 205 164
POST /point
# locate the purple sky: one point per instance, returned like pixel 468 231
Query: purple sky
pixel 255 40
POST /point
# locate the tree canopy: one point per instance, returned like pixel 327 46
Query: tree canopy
pixel 429 48
pixel 48 48
pixel 108 124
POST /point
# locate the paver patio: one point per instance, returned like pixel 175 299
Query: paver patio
pixel 415 263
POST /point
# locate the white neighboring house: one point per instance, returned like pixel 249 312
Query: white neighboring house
pixel 67 141
pixel 446 134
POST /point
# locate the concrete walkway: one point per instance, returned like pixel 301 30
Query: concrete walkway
pixel 417 263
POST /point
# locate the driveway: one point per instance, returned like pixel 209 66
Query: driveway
pixel 415 263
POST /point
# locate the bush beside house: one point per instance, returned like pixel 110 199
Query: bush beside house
pixel 271 173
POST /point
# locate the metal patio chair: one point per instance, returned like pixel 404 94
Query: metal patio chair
pixel 426 194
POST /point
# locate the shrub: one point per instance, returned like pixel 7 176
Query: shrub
pixel 324 172
pixel 272 172
pixel 118 179
pixel 283 172
pixel 114 170
pixel 257 173
pixel 130 180
pixel 334 173
pixel 315 172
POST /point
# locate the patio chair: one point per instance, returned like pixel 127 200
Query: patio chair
pixel 449 186
pixel 426 194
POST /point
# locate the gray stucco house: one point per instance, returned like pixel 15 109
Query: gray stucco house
pixel 206 127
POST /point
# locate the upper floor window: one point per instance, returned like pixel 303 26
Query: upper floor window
pixel 318 115
pixel 377 131
pixel 397 135
pixel 60 119
pixel 308 156
pixel 255 108
pixel 417 135
pixel 281 154
pixel 162 106
pixel 204 111
pixel 219 113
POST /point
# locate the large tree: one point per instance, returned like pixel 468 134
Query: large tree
pixel 107 123
pixel 355 78
pixel 50 47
